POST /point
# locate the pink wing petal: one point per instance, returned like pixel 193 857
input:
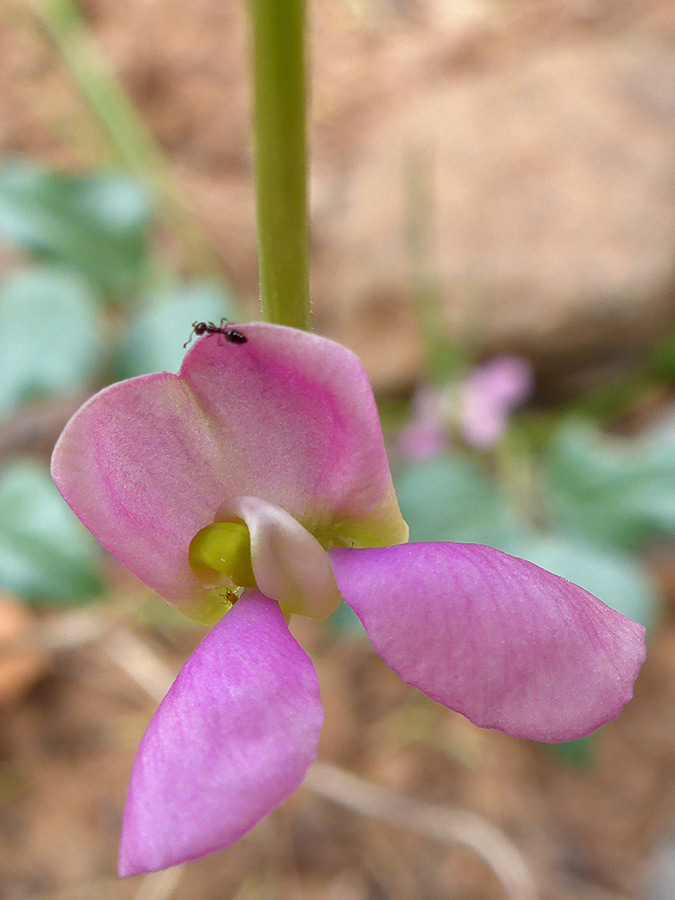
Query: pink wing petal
pixel 288 417
pixel 231 740
pixel 496 638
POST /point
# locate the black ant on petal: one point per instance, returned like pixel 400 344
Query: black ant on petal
pixel 233 335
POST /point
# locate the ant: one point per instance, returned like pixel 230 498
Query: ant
pixel 231 334
pixel 231 595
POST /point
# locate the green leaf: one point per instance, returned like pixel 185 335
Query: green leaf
pixel 449 499
pixel 662 362
pixel 48 336
pixel 578 754
pixel 616 491
pixel 616 579
pixel 46 555
pixel 98 225
pixel 155 340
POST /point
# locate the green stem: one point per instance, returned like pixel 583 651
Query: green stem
pixel 280 144
pixel 132 143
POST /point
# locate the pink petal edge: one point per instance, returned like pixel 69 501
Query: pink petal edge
pixel 231 740
pixel 496 638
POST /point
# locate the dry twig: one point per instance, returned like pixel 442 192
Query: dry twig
pixel 442 823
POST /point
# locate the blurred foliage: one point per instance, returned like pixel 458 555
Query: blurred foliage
pixel 46 555
pixel 79 311
pixel 154 343
pixel 98 225
pixel 662 363
pixel 449 498
pixel 48 335
pixel 616 491
pixel 600 497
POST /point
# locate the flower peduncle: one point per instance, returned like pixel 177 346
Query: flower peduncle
pixel 280 145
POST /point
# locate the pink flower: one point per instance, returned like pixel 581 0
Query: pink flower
pixel 425 436
pixel 477 407
pixel 489 394
pixel 261 466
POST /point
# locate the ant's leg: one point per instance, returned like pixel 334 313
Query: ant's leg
pixel 195 330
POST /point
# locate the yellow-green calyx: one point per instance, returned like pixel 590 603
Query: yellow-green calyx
pixel 223 548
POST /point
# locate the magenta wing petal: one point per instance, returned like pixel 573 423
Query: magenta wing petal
pixel 231 740
pixel 496 638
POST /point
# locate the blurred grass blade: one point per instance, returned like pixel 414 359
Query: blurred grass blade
pixel 130 141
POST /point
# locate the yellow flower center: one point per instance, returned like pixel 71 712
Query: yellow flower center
pixel 223 548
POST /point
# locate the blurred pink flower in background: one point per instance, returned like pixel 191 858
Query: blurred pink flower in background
pixel 477 407
pixel 426 435
pixel 489 394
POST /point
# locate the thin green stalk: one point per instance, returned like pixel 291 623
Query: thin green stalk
pixel 130 140
pixel 280 145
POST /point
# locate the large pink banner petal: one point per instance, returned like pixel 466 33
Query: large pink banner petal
pixel 288 417
pixel 296 419
pixel 496 638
